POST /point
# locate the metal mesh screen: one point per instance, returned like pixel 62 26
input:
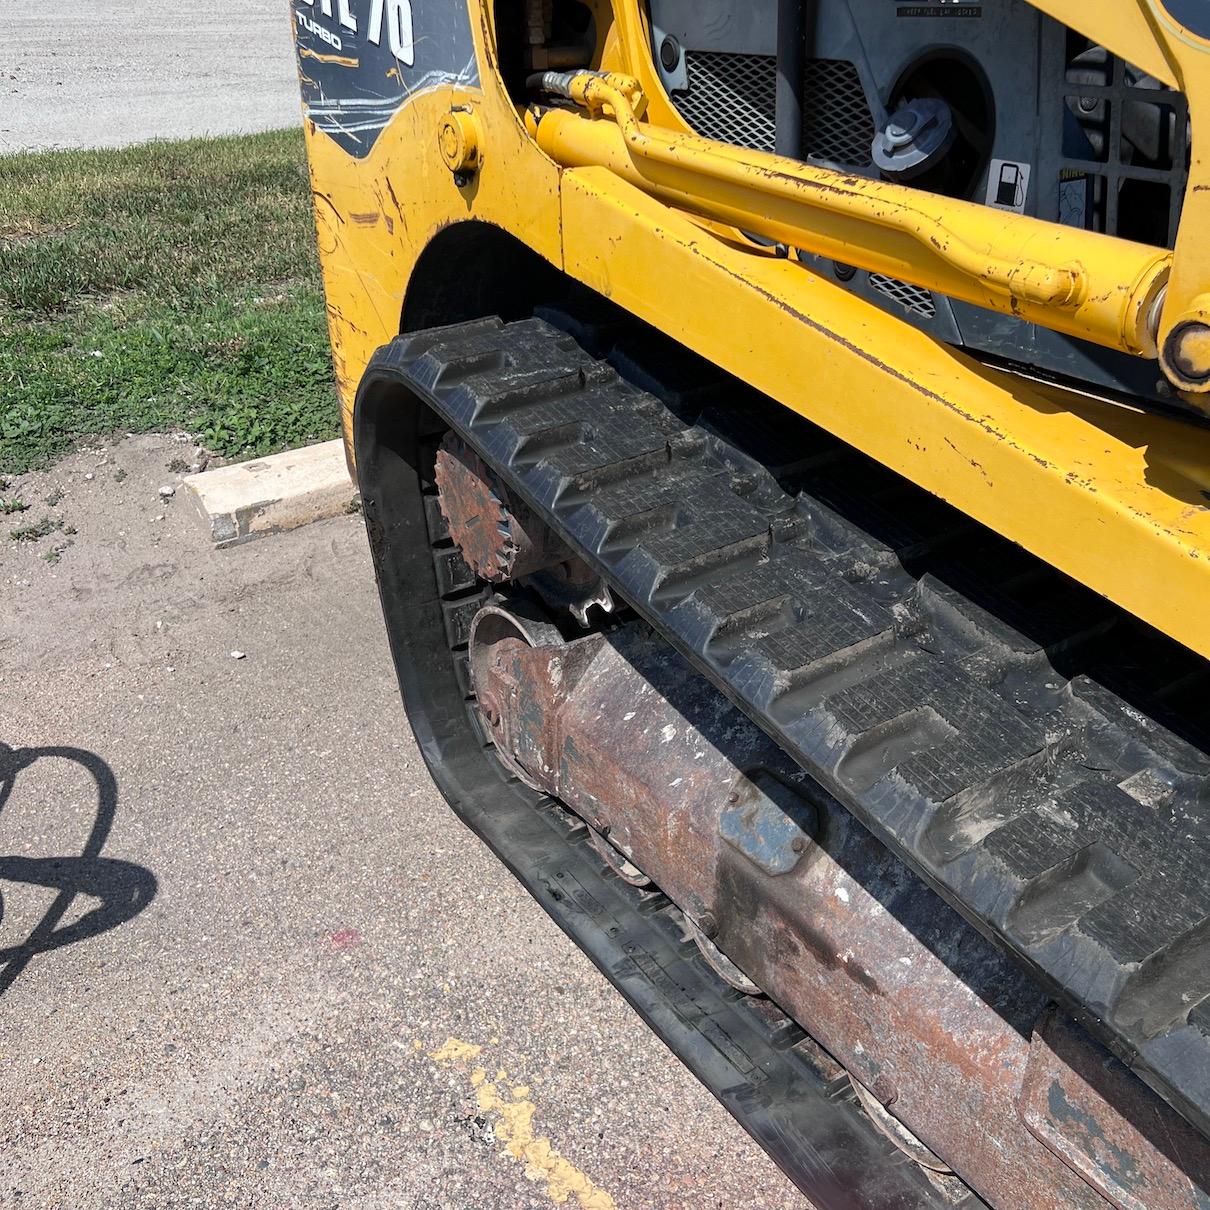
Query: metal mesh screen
pixel 913 298
pixel 837 123
pixel 731 97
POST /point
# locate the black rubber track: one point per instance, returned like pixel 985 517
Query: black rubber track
pixel 977 711
pixel 789 1095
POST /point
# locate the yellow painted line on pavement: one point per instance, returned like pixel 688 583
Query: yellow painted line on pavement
pixel 511 1112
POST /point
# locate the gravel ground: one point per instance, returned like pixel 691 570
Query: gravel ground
pixel 108 72
pixel 291 921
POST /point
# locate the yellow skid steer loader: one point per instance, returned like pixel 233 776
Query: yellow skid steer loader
pixel 782 433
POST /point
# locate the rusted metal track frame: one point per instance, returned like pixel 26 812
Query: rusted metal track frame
pixel 952 1039
pixel 776 1081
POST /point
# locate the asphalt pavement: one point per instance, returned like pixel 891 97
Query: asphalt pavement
pixel 240 927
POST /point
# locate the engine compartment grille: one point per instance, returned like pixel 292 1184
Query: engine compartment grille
pixel 730 97
pixel 837 123
pixel 1120 139
pixel 1049 123
pixel 912 298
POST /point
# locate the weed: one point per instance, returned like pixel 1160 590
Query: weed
pixel 36 531
pixel 8 507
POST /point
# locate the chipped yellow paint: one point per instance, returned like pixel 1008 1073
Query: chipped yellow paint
pixel 1079 282
pixel 511 1112
pixel 340 60
pixel 1112 496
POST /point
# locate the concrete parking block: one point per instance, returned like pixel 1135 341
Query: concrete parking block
pixel 268 495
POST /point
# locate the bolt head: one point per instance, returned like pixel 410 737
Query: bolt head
pixel 1185 350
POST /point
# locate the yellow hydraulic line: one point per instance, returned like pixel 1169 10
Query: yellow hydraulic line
pixel 1097 287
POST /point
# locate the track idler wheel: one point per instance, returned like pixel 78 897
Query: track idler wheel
pixel 500 539
pixel 495 630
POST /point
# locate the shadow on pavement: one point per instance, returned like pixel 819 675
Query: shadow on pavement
pixel 123 888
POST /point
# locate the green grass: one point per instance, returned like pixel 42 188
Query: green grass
pixel 171 285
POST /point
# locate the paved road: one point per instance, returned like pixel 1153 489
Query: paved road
pixel 106 72
pixel 254 922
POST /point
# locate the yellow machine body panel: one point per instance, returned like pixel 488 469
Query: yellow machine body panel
pixel 1115 495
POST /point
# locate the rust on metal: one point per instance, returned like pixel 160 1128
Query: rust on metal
pixel 798 899
pixel 1092 1112
pixel 499 537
